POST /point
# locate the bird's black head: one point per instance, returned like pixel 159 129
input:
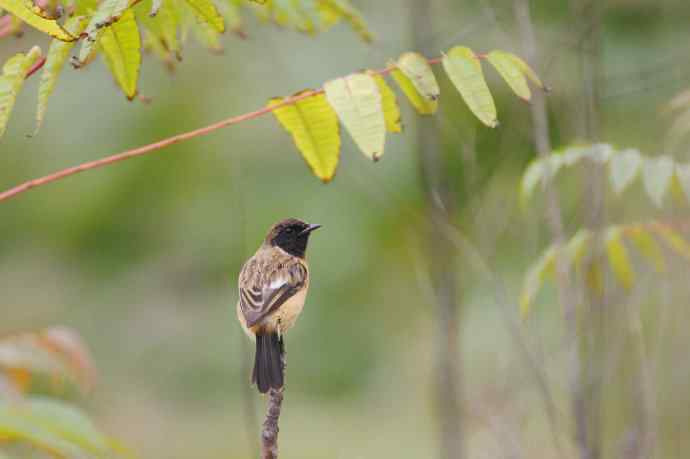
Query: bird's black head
pixel 291 235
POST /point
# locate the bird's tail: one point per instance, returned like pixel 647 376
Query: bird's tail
pixel 268 362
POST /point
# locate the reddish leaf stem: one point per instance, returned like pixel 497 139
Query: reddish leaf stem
pixel 36 67
pixel 145 149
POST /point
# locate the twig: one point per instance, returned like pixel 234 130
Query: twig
pixel 269 435
pixel 146 149
pixel 553 217
pixel 441 207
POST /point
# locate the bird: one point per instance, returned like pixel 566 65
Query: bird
pixel 273 286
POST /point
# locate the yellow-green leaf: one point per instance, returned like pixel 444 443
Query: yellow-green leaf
pixel 535 278
pixel 465 71
pixel 121 47
pixel 55 61
pixel 164 26
pixel 207 11
pixel 54 427
pixel 539 171
pixel 674 240
pixel 623 168
pixel 357 101
pixel 11 81
pixel 207 36
pixel 530 179
pixel 511 72
pixel 526 70
pixel 683 176
pixel 657 174
pixel 108 12
pixel 391 110
pixel 577 246
pixel 314 128
pixel 647 246
pixel 423 105
pixel 332 10
pixel 19 9
pixel 618 257
pixel 415 67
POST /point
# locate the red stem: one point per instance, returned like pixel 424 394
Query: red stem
pixel 145 149
pixel 36 67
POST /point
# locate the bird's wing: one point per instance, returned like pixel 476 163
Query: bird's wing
pixel 266 284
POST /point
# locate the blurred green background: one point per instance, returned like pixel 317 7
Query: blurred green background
pixel 142 257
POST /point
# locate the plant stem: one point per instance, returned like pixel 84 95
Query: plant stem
pixel 152 147
pixel 269 434
pixel 553 215
pixel 441 206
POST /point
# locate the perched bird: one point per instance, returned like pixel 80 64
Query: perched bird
pixel 273 285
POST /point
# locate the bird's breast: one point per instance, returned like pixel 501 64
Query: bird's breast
pixel 286 315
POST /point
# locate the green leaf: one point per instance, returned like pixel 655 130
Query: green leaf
pixel 314 128
pixel 623 168
pixel 207 36
pixel 423 105
pixel 618 257
pixel 465 71
pixel 11 81
pixel 534 279
pixel 357 101
pixel 530 179
pixel 527 70
pixel 121 47
pixel 108 12
pixel 391 109
pixel 30 15
pixel 674 240
pixel 683 176
pixel 164 26
pixel 55 61
pixel 647 246
pixel 577 246
pixel 506 65
pixel 657 174
pixel 415 67
pixel 54 427
pixel 599 152
pixel 539 170
pixel 207 11
pixel 333 10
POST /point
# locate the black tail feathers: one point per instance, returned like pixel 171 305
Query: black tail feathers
pixel 268 362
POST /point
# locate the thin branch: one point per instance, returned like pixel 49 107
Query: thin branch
pixel 269 435
pixel 152 147
pixel 554 219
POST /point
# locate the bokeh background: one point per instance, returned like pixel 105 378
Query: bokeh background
pixel 142 257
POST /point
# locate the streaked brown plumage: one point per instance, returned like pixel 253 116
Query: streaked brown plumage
pixel 273 285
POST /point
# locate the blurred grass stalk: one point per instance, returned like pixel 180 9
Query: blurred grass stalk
pixel 440 253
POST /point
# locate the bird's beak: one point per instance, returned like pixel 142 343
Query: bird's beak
pixel 310 228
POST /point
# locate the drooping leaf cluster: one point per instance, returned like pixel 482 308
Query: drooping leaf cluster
pixel 119 30
pixel 40 422
pixel 651 240
pixel 367 107
pixel 660 174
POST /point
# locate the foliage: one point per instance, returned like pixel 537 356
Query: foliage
pixel 45 423
pixel 114 29
pixel 368 108
pixel 645 237
pixel 660 174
